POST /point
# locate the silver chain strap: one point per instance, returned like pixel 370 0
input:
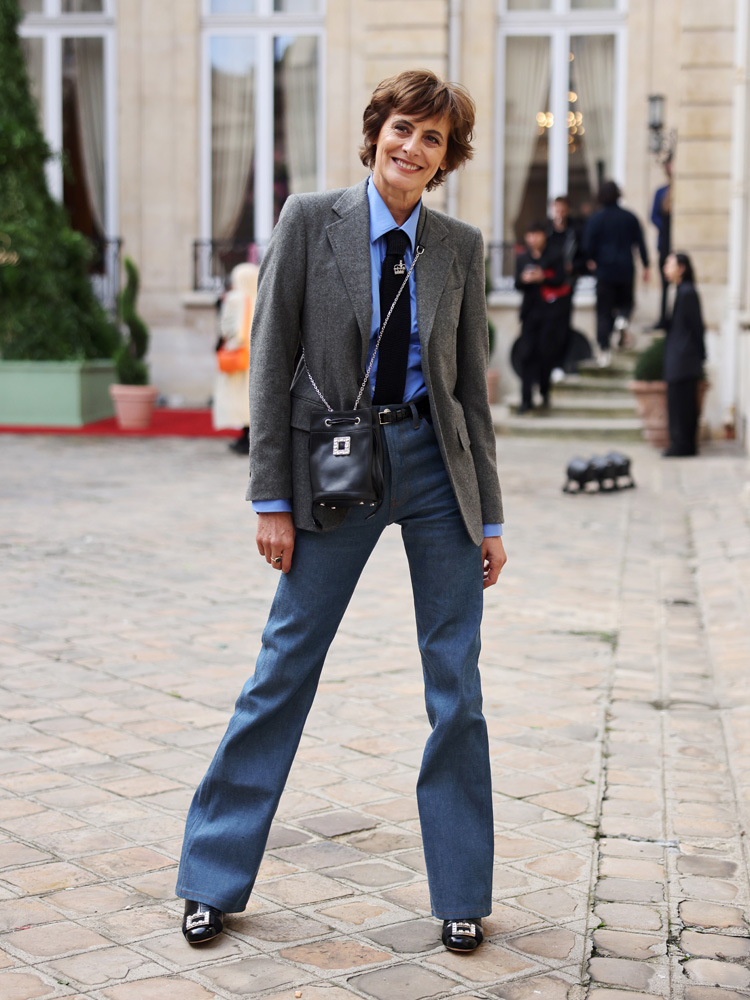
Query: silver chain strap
pixel 417 254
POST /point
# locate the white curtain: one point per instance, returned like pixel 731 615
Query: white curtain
pixel 593 79
pixel 232 131
pixel 526 89
pixel 89 79
pixel 299 74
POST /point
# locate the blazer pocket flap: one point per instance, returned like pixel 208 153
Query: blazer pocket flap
pixel 301 410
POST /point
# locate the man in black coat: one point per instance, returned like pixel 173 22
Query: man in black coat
pixel 565 235
pixel 541 276
pixel 612 235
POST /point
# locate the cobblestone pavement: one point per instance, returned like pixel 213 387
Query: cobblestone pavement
pixel 617 686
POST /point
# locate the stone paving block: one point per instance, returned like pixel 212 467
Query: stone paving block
pixel 715 945
pixel 334 824
pixel 136 923
pixel 23 986
pixel 55 939
pixel 334 955
pixel 252 976
pixel 711 993
pixel 694 913
pixel 372 874
pixel 308 887
pixel 322 992
pixel 534 988
pixel 159 884
pixel 704 865
pixel 631 868
pixel 48 877
pixel 710 972
pixel 130 861
pixel 159 988
pixel 622 944
pixel 565 867
pixel 17 913
pixel 555 943
pixel 702 887
pixel 604 994
pixel 14 855
pixel 622 972
pixel 385 840
pixel 98 968
pixel 175 951
pixel 354 913
pixel 488 964
pixel 554 903
pixel 323 854
pixel 630 849
pixel 283 927
pixel 621 890
pixel 520 847
pixel 407 982
pixel 409 937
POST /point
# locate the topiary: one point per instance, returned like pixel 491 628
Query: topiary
pixel 131 368
pixel 649 366
pixel 49 310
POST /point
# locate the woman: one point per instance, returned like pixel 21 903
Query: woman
pixel 230 403
pixel 320 288
pixel 684 354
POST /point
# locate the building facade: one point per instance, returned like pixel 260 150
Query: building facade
pixel 184 125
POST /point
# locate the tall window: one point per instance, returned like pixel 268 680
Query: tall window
pixel 262 112
pixel 69 47
pixel 561 106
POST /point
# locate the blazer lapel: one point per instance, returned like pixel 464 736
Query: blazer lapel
pixel 431 271
pixel 349 237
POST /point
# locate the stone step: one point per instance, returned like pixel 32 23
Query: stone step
pixel 608 428
pixel 580 405
pixel 605 383
pixel 618 368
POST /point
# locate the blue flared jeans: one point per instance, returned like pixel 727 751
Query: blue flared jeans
pixel 231 813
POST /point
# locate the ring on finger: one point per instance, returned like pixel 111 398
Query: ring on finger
pixel 276 560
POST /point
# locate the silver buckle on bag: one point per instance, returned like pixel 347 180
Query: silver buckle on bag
pixel 342 446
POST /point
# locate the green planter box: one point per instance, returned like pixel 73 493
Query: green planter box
pixel 55 393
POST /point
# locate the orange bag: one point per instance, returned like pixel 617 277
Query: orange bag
pixel 238 360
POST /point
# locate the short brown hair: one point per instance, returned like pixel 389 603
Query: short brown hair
pixel 420 93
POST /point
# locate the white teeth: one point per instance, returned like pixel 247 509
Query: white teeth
pixel 407 166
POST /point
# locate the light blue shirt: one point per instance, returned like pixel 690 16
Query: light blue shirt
pixel 382 222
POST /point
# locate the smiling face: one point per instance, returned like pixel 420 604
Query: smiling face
pixel 409 153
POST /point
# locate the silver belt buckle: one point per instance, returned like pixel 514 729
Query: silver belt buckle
pixel 380 417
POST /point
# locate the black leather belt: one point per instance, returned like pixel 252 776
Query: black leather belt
pixel 420 406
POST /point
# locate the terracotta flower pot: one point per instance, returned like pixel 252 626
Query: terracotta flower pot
pixel 134 405
pixel 651 403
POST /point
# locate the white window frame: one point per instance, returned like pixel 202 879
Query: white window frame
pixel 264 25
pixel 52 27
pixel 559 24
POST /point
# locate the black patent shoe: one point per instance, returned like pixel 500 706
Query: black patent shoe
pixel 463 935
pixel 201 922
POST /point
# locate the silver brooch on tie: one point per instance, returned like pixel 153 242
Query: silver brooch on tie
pixel 399 268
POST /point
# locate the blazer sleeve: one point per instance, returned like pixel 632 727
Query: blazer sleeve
pixel 472 360
pixel 275 339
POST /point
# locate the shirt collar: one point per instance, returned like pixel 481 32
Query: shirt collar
pixel 381 220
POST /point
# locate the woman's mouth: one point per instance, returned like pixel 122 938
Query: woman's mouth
pixel 411 167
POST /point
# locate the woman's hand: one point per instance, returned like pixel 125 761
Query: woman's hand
pixel 493 560
pixel 275 538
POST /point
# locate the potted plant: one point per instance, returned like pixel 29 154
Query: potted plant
pixel 56 341
pixel 133 397
pixel 650 391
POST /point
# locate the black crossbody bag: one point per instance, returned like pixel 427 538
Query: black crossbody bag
pixel 345 449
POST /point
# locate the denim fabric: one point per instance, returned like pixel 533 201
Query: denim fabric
pixel 234 805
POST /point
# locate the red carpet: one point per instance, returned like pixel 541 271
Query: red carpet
pixel 165 423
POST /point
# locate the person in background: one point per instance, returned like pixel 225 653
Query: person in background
pixel 611 236
pixel 684 354
pixel 564 235
pixel 545 311
pixel 661 216
pixel 231 407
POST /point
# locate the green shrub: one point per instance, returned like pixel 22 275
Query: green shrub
pixel 49 310
pixel 131 368
pixel 649 366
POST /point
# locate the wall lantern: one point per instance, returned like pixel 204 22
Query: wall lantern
pixel 656 104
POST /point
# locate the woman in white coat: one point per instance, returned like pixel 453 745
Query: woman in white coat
pixel 231 406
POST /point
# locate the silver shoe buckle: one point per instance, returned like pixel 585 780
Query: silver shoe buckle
pixel 462 928
pixel 200 919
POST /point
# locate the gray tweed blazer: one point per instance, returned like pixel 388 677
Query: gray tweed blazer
pixel 315 286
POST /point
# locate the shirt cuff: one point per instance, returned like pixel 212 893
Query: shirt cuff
pixel 492 530
pixel 272 506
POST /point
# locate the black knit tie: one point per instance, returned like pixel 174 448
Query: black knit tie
pixel 394 347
